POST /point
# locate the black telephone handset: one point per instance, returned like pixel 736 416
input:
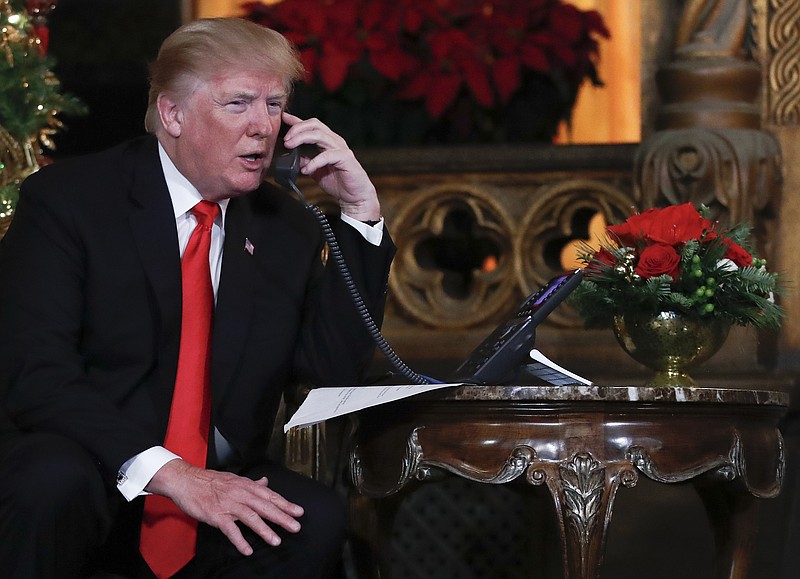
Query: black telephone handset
pixel 286 167
pixel 505 350
pixel 285 162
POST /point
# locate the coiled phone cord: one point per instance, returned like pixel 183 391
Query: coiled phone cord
pixel 372 327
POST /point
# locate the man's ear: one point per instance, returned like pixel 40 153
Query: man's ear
pixel 171 115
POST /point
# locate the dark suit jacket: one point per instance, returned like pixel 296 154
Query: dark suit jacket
pixel 90 303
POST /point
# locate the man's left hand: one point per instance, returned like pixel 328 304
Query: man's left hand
pixel 335 168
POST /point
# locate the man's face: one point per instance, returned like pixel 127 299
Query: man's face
pixel 226 131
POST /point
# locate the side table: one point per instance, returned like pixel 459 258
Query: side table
pixel 582 443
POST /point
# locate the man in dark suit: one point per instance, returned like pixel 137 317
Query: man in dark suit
pixel 90 325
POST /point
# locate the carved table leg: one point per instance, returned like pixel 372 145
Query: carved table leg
pixel 733 513
pixel 583 492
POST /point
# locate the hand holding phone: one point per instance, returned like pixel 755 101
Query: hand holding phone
pixel 331 164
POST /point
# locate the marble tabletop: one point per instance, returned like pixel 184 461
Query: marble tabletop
pixel 572 393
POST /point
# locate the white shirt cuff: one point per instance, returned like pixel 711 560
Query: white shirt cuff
pixel 138 471
pixel 372 233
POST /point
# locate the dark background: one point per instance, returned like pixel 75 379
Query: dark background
pixel 102 50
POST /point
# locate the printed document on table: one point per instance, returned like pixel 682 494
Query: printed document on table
pixel 330 402
pixel 324 403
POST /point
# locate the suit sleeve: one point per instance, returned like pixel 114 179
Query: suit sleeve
pixel 336 347
pixel 44 383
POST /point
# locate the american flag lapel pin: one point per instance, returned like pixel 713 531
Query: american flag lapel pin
pixel 248 246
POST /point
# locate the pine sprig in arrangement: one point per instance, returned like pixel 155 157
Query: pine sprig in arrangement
pixel 676 259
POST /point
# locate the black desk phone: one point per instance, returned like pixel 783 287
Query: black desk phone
pixel 507 347
pixel 502 352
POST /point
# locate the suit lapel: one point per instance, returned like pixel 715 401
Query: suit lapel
pixel 233 313
pixel 155 234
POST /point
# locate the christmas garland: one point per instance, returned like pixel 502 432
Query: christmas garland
pixel 30 96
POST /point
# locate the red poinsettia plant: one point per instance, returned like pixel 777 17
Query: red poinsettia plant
pixel 677 259
pixel 463 59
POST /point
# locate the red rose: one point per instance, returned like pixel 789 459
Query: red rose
pixel 737 254
pixel 658 259
pixel 605 256
pixel 602 259
pixel 671 225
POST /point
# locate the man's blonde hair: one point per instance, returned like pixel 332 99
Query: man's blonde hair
pixel 198 50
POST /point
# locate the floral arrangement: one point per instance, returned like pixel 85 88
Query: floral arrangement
pixel 676 259
pixel 478 66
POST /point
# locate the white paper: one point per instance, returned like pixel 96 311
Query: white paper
pixel 330 402
pixel 324 403
pixel 551 372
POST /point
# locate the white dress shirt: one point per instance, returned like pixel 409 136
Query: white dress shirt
pixel 137 472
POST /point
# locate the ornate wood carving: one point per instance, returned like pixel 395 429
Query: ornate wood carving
pixel 560 212
pixel 735 170
pixel 445 232
pixel 710 147
pixel 583 493
pixel 523 238
pixel 583 444
pixel 512 468
pixel 410 466
pixel 778 30
pixel 582 480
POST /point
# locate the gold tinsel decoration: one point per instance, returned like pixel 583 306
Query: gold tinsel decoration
pixel 21 156
pixel 17 161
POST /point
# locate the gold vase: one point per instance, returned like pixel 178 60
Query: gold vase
pixel 670 343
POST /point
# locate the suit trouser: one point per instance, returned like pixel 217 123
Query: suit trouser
pixel 58 519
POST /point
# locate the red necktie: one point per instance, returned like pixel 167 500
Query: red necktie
pixel 169 536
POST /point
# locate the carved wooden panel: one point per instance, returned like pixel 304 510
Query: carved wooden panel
pixel 777 24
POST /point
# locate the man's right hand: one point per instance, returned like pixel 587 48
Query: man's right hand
pixel 220 499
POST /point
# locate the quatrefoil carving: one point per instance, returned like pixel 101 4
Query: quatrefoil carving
pixel 453 266
pixel 557 221
pixel 446 234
